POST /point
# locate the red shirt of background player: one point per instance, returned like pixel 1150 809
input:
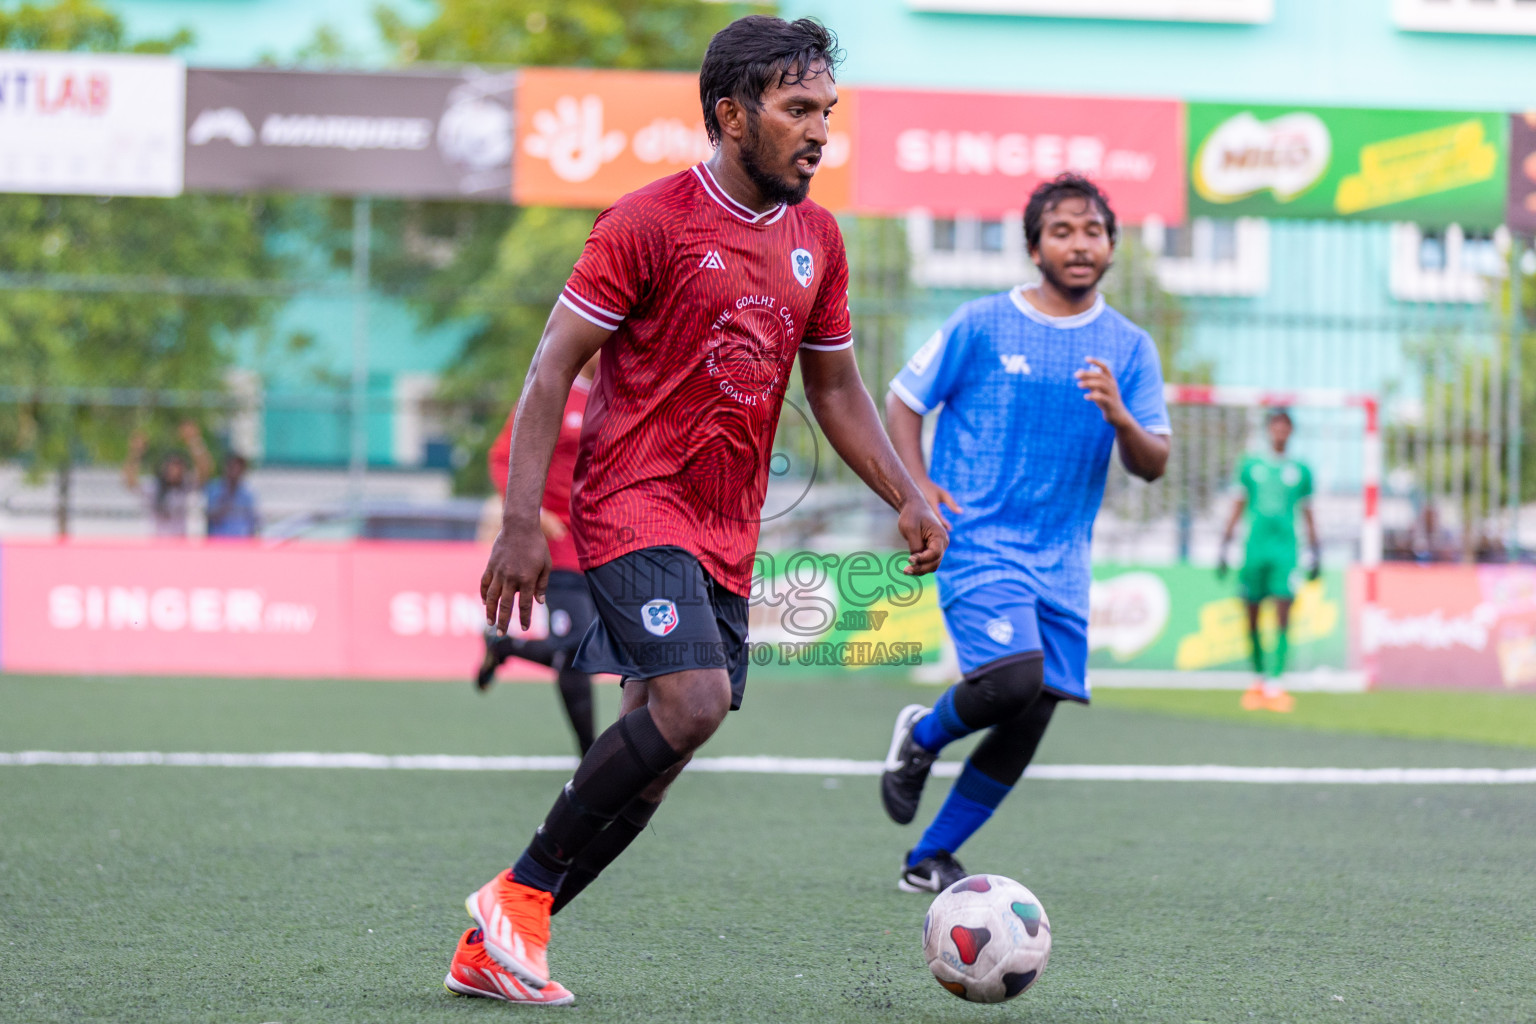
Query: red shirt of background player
pixel 709 303
pixel 562 467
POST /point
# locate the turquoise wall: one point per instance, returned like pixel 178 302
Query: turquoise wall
pixel 1345 52
pixel 238 33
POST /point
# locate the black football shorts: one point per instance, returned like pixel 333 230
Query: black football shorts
pixel 659 612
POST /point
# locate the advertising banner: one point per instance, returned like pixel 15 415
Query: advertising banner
pixel 382 610
pixel 415 610
pixel 982 153
pixel 587 137
pixel 437 136
pixel 1434 167
pixel 114 607
pixel 1183 618
pixel 1454 625
pixel 90 124
pixel 1521 215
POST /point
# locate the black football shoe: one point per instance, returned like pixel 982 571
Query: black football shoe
pixel 906 768
pixel 931 874
pixel 490 662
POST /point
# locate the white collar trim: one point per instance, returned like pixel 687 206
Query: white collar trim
pixel 1082 319
pixel 738 210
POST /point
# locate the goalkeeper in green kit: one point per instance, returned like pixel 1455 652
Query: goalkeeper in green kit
pixel 1271 489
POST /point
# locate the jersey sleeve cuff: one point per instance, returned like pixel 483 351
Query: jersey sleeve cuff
pixel 908 399
pixel 590 311
pixel 832 344
pixel 1160 429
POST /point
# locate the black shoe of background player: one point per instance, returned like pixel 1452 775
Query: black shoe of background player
pixel 488 664
pixel 906 768
pixel 931 874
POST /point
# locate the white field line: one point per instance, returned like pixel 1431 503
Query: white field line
pixel 764 765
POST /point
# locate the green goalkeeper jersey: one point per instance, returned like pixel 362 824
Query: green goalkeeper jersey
pixel 1275 487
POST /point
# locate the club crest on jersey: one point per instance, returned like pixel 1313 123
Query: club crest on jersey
pixel 659 617
pixel 804 267
pixel 1000 629
pixel 1015 363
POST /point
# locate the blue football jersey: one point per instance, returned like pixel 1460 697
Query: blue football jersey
pixel 1018 445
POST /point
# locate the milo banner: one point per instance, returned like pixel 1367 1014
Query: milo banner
pixel 853 611
pixel 1183 618
pixel 1434 167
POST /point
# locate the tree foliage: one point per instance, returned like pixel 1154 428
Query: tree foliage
pixel 67 320
pixel 501 268
pixel 665 34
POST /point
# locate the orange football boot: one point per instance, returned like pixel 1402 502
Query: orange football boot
pixel 515 920
pixel 1253 697
pixel 474 973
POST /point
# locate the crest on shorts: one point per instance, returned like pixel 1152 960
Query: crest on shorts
pixel 804 267
pixel 1000 629
pixel 659 617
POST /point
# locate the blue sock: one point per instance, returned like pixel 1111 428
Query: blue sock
pixel 528 871
pixel 969 804
pixel 941 726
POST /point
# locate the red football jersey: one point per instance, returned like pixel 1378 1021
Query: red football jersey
pixel 562 467
pixel 709 302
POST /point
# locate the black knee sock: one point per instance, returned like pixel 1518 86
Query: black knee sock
pixel 604 850
pixel 626 758
pixel 576 692
pixel 999 692
pixel 541 652
pixel 1010 746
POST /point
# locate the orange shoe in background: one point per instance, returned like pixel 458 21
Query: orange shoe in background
pixel 1277 700
pixel 474 973
pixel 1253 697
pixel 515 922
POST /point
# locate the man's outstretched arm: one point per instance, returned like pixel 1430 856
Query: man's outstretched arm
pixel 518 569
pixel 846 414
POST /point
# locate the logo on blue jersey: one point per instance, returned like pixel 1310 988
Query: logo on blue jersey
pixel 804 267
pixel 1000 629
pixel 1014 364
pixel 659 617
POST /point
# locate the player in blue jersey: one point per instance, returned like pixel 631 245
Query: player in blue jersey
pixel 1037 386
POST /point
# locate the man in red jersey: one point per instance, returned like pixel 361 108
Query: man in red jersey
pixel 568 599
pixel 700 290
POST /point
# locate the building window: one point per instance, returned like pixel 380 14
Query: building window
pixel 1211 257
pixel 1492 17
pixel 968 252
pixel 1242 11
pixel 1445 266
pixel 990 236
pixel 944 235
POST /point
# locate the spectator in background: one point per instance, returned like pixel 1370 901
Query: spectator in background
pixel 231 505
pixel 168 495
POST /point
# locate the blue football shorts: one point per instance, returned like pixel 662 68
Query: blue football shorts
pixel 1005 619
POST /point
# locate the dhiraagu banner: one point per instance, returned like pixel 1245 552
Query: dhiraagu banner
pixel 1434 167
pixel 1183 618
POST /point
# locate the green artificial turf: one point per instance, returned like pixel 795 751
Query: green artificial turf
pixel 256 895
pixel 1507 719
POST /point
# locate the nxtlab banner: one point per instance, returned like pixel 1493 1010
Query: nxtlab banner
pixel 440 136
pixel 91 124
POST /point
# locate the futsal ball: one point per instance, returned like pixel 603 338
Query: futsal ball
pixel 986 938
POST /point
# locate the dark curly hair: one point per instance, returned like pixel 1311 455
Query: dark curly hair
pixel 753 54
pixel 1064 186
